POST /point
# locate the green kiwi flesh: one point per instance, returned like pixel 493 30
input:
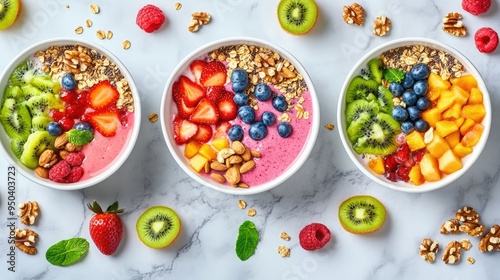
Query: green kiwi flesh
pixel 15 119
pixel 9 10
pixel 40 122
pixel 23 73
pixel 45 84
pixel 357 108
pixel 14 92
pixel 374 135
pixel 361 214
pixel 36 143
pixel 376 67
pixel 17 146
pixel 158 226
pixel 384 98
pixel 297 16
pixel 360 88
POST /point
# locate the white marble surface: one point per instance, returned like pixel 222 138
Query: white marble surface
pixel 205 249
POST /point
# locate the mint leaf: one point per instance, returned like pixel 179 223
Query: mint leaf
pixel 394 75
pixel 248 237
pixel 67 252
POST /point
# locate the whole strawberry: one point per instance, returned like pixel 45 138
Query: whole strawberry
pixel 106 228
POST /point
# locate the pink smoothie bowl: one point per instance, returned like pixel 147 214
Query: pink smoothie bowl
pixel 103 155
pixel 280 157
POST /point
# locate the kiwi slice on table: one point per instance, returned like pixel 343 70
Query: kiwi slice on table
pixel 376 67
pixel 360 88
pixel 361 214
pixel 17 146
pixel 9 11
pixel 384 98
pixel 158 227
pixel 358 108
pixel 36 143
pixel 23 73
pixel 297 16
pixel 15 119
pixel 45 84
pixel 374 135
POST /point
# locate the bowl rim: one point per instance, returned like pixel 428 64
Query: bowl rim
pixel 478 148
pixel 165 112
pixel 118 161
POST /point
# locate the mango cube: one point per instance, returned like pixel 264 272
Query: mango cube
pixel 416 176
pixel 438 146
pixel 449 162
pixel 461 151
pixel 475 96
pixel 429 168
pixel 453 139
pixel 466 82
pixel 461 96
pixel 415 140
pixel 432 116
pixel 466 126
pixel 445 128
pixel 198 162
pixel 472 137
pixel 377 165
pixel 445 101
pixel 453 113
pixel 474 111
pixel 436 82
pixel 433 94
pixel 208 152
pixel 191 149
pixel 460 121
pixel 220 143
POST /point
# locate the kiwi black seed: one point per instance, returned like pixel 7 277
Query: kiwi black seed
pixel 15 119
pixel 30 91
pixel 374 135
pixel 297 16
pixel 360 88
pixel 384 97
pixel 9 10
pixel 17 146
pixel 37 142
pixel 45 84
pixel 23 73
pixel 40 122
pixel 39 104
pixel 361 214
pixel 376 67
pixel 357 108
pixel 13 92
pixel 158 227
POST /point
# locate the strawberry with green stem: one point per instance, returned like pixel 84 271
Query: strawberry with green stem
pixel 106 228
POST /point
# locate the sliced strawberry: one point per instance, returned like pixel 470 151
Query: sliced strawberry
pixel 221 129
pixel 215 93
pixel 214 74
pixel 183 110
pixel 205 113
pixel 105 121
pixel 184 130
pixel 228 110
pixel 192 93
pixel 196 68
pixel 102 95
pixel 204 133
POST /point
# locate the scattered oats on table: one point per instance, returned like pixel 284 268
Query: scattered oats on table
pixel 94 9
pixel 126 45
pixel 284 251
pixel 251 212
pixel 153 117
pixel 329 126
pixel 242 204
pixel 285 236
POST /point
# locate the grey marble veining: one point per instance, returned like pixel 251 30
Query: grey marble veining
pixel 210 220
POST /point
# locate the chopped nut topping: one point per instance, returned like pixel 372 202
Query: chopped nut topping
pixel 453 25
pixel 153 117
pixel 242 204
pixel 28 212
pixel 126 45
pixel 452 252
pixel 94 9
pixel 285 236
pixel 353 14
pixel 25 240
pixel 198 19
pixel 467 214
pixel 251 212
pixel 329 126
pixel 428 250
pixel 79 30
pixel 450 226
pixel 284 251
pixel 381 26
pixel 491 240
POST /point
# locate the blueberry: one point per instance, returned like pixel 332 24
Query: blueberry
pixel 239 76
pixel 420 87
pixel 68 81
pixel 399 113
pixel 423 103
pixel 262 92
pixel 246 114
pixel 268 118
pixel 257 131
pixel 284 129
pixel 407 127
pixel 54 129
pixel 408 80
pixel 396 89
pixel 83 126
pixel 414 113
pixel 409 98
pixel 420 71
pixel 421 125
pixel 279 103
pixel 235 133
pixel 240 99
pixel 238 87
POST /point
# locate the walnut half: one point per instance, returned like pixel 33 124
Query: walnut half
pixel 453 25
pixel 428 250
pixel 28 212
pixel 450 226
pixel 381 26
pixel 491 240
pixel 452 252
pixel 353 14
pixel 25 240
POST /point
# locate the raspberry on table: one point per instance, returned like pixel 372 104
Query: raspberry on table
pixel 59 171
pixel 150 18
pixel 75 158
pixel 486 40
pixel 75 174
pixel 476 7
pixel 314 236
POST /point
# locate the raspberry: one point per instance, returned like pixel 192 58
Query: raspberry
pixel 486 40
pixel 75 174
pixel 150 18
pixel 75 158
pixel 59 171
pixel 476 7
pixel 314 236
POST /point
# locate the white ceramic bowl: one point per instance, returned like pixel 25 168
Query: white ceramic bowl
pixel 110 167
pixel 168 110
pixel 361 163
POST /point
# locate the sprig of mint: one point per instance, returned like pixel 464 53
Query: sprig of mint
pixel 248 237
pixel 394 75
pixel 67 252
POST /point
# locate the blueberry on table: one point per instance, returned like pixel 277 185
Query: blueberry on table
pixel 235 133
pixel 420 71
pixel 409 98
pixel 262 92
pixel 396 89
pixel 420 87
pixel 408 81
pixel 414 113
pixel 246 114
pixel 399 113
pixel 279 103
pixel 257 131
pixel 240 99
pixel 284 129
pixel 268 118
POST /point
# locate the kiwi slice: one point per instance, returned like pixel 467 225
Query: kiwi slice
pixel 13 92
pixel 36 143
pixel 23 73
pixel 384 98
pixel 40 104
pixel 374 135
pixel 376 67
pixel 45 84
pixel 9 11
pixel 30 91
pixel 40 122
pixel 361 214
pixel 360 88
pixel 158 227
pixel 357 108
pixel 15 119
pixel 17 146
pixel 297 16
